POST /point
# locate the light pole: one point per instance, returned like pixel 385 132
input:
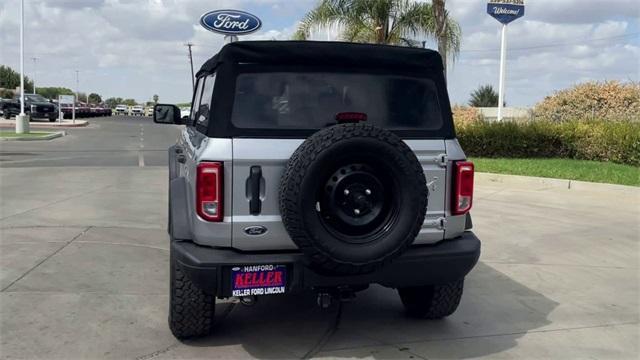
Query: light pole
pixel 35 59
pixel 22 121
pixel 77 84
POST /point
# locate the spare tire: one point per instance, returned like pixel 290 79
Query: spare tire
pixel 353 197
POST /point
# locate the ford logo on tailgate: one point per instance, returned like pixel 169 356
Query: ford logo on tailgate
pixel 255 230
pixel 230 22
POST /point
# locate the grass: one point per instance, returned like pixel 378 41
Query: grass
pixel 583 170
pixel 32 134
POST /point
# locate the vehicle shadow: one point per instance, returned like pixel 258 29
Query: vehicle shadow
pixel 294 327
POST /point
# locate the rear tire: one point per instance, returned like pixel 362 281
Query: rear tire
pixel 191 310
pixel 433 301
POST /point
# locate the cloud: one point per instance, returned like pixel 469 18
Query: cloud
pixel 135 48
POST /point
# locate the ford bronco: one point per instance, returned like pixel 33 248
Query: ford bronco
pixel 319 166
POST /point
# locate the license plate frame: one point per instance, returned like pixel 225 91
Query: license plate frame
pixel 258 280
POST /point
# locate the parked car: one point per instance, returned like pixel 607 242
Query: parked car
pixel 148 111
pixel 329 166
pixel 82 110
pixel 137 110
pixel 35 106
pixel 185 112
pixel 122 110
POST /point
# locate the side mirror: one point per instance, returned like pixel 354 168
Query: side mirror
pixel 167 114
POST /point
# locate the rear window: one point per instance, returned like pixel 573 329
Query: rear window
pixel 311 100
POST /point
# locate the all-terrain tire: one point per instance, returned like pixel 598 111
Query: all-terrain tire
pixel 191 310
pixel 325 251
pixel 433 301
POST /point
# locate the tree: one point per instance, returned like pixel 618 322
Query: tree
pixel 53 92
pixel 10 79
pixel 95 98
pixel 394 22
pixel 81 96
pixel 112 102
pixel 484 96
pixel 129 102
pixel 446 29
pixel 155 99
pixel 6 94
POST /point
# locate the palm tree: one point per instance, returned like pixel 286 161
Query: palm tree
pixel 445 29
pixel 155 99
pixel 394 22
pixel 484 96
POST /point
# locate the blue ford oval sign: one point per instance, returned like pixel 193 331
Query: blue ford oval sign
pixel 506 11
pixel 230 22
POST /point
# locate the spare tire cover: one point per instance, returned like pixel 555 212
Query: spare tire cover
pixel 353 197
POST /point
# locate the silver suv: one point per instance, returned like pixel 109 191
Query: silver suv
pixel 317 166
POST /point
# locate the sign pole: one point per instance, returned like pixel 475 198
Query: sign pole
pixel 505 11
pixel 503 64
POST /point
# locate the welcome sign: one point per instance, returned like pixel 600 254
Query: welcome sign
pixel 506 11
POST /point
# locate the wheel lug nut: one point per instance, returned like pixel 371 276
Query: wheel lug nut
pixel 346 192
pixel 356 211
pixel 368 192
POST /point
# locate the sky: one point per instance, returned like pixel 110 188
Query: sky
pixel 135 48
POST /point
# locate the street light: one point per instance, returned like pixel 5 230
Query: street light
pixel 35 59
pixel 22 122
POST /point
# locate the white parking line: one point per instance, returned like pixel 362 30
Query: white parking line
pixel 140 159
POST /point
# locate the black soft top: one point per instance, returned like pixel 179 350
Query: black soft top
pixel 324 53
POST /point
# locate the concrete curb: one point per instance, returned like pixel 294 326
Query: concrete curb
pixel 53 135
pixel 64 124
pixel 530 181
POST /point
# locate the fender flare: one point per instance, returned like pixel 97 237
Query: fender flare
pixel 178 210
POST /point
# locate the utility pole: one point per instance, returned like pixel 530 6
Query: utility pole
pixel 193 82
pixel 35 59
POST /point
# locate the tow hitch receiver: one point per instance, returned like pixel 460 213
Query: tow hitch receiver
pixel 326 297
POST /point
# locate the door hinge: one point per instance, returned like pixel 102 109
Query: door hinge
pixel 438 223
pixel 441 160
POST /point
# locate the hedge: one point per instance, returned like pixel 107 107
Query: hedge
pixel 617 142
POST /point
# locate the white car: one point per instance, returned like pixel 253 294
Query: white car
pixel 137 110
pixel 185 112
pixel 122 110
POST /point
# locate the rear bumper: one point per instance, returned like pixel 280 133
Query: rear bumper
pixel 447 261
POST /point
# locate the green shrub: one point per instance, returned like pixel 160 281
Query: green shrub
pixel 617 142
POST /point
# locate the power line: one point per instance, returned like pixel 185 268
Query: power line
pixel 558 44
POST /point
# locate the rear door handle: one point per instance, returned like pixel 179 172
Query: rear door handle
pixel 255 204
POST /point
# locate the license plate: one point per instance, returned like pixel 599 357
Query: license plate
pixel 249 280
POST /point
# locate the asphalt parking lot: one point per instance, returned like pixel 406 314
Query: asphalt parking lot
pixel 84 269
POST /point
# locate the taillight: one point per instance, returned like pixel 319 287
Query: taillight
pixel 209 191
pixel 463 187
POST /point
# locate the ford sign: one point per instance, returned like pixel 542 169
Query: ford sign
pixel 230 22
pixel 506 11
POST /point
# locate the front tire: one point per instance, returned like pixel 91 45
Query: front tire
pixel 191 310
pixel 432 301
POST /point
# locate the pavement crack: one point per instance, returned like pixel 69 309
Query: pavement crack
pixel 324 339
pixel 84 231
pixel 563 265
pixel 58 201
pixel 158 352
